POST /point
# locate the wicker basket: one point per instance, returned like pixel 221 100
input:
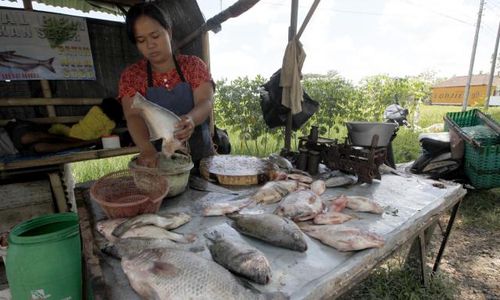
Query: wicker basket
pixel 482 154
pixel 128 193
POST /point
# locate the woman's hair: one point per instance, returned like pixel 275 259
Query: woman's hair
pixel 148 9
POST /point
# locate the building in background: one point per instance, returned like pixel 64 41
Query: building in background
pixel 451 91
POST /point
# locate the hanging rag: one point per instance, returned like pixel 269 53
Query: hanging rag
pixel 291 74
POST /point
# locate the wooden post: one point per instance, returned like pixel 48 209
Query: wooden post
pixel 58 191
pixel 292 30
pixel 205 52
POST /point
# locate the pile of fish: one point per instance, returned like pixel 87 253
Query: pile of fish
pixel 160 265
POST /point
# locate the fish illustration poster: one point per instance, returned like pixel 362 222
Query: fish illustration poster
pixel 36 46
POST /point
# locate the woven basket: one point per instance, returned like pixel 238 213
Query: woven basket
pixel 128 193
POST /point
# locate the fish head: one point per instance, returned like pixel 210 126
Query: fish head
pixel 280 211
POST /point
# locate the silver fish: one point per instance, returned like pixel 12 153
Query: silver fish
pixel 274 191
pixel 159 233
pixel 169 221
pixel 300 206
pixel 175 274
pixel 272 229
pixel 340 180
pixel 106 227
pixel 132 246
pixel 222 208
pixel 200 184
pixel 363 204
pixel 282 162
pixel 161 124
pixel 343 239
pixel 239 257
pixel 11 60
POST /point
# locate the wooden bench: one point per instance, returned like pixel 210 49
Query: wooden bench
pixel 54 165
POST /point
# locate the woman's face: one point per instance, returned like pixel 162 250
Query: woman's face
pixel 152 40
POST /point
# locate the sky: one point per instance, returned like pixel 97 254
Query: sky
pixel 356 38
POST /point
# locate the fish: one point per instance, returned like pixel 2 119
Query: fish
pixel 300 178
pixel 385 169
pixel 274 191
pixel 239 257
pixel 222 208
pixel 176 274
pixel 168 221
pixel 281 162
pixel 133 245
pixel 200 184
pixel 159 233
pixel 161 124
pixel 10 59
pixel 337 203
pixel 318 187
pixel 300 206
pixel 270 228
pixel 363 204
pixel 343 238
pixel 331 217
pixel 340 180
pixel 107 227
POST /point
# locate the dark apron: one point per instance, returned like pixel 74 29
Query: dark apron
pixel 180 100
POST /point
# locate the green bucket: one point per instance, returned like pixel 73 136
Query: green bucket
pixel 44 258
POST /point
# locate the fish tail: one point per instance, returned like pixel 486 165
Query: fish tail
pixel 48 64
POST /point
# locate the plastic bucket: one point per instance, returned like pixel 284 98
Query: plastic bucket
pixel 176 169
pixel 44 258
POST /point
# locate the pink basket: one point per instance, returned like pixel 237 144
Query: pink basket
pixel 128 193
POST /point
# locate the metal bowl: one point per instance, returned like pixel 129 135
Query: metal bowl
pixel 361 133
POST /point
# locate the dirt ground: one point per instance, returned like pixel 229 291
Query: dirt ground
pixel 471 260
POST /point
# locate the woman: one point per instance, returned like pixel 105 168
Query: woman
pixel 180 83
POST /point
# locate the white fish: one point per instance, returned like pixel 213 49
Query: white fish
pixel 343 239
pixel 161 124
pixel 331 217
pixel 363 204
pixel 154 232
pixel 222 208
pixel 274 191
pixel 167 221
pixel 300 178
pixel 174 274
pixel 300 206
pixel 340 180
pixel 318 186
pixel 10 59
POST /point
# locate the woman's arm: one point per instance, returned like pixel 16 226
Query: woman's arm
pixel 139 133
pixel 203 96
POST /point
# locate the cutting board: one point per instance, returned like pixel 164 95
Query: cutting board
pixel 237 169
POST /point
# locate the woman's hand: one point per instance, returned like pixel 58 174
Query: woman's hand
pixel 184 128
pixel 148 158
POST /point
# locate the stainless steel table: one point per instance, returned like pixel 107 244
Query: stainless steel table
pixel 411 205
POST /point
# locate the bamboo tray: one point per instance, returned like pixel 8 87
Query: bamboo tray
pixel 237 169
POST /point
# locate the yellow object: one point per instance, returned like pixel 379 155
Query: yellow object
pixel 455 95
pixel 94 125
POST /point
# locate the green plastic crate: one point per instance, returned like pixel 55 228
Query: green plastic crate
pixel 482 153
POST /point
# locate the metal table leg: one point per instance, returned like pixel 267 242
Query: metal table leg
pixel 446 236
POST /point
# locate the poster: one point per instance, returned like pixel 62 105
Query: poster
pixel 35 45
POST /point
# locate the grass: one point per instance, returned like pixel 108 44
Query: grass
pixel 480 208
pixel 394 281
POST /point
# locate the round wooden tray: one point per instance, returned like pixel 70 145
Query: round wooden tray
pixel 236 169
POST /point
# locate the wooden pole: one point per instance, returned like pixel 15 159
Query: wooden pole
pixel 308 17
pixel 472 57
pixel 492 70
pixel 292 31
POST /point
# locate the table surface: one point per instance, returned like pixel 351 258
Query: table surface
pixel 410 204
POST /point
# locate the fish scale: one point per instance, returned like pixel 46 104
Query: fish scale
pixel 176 274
